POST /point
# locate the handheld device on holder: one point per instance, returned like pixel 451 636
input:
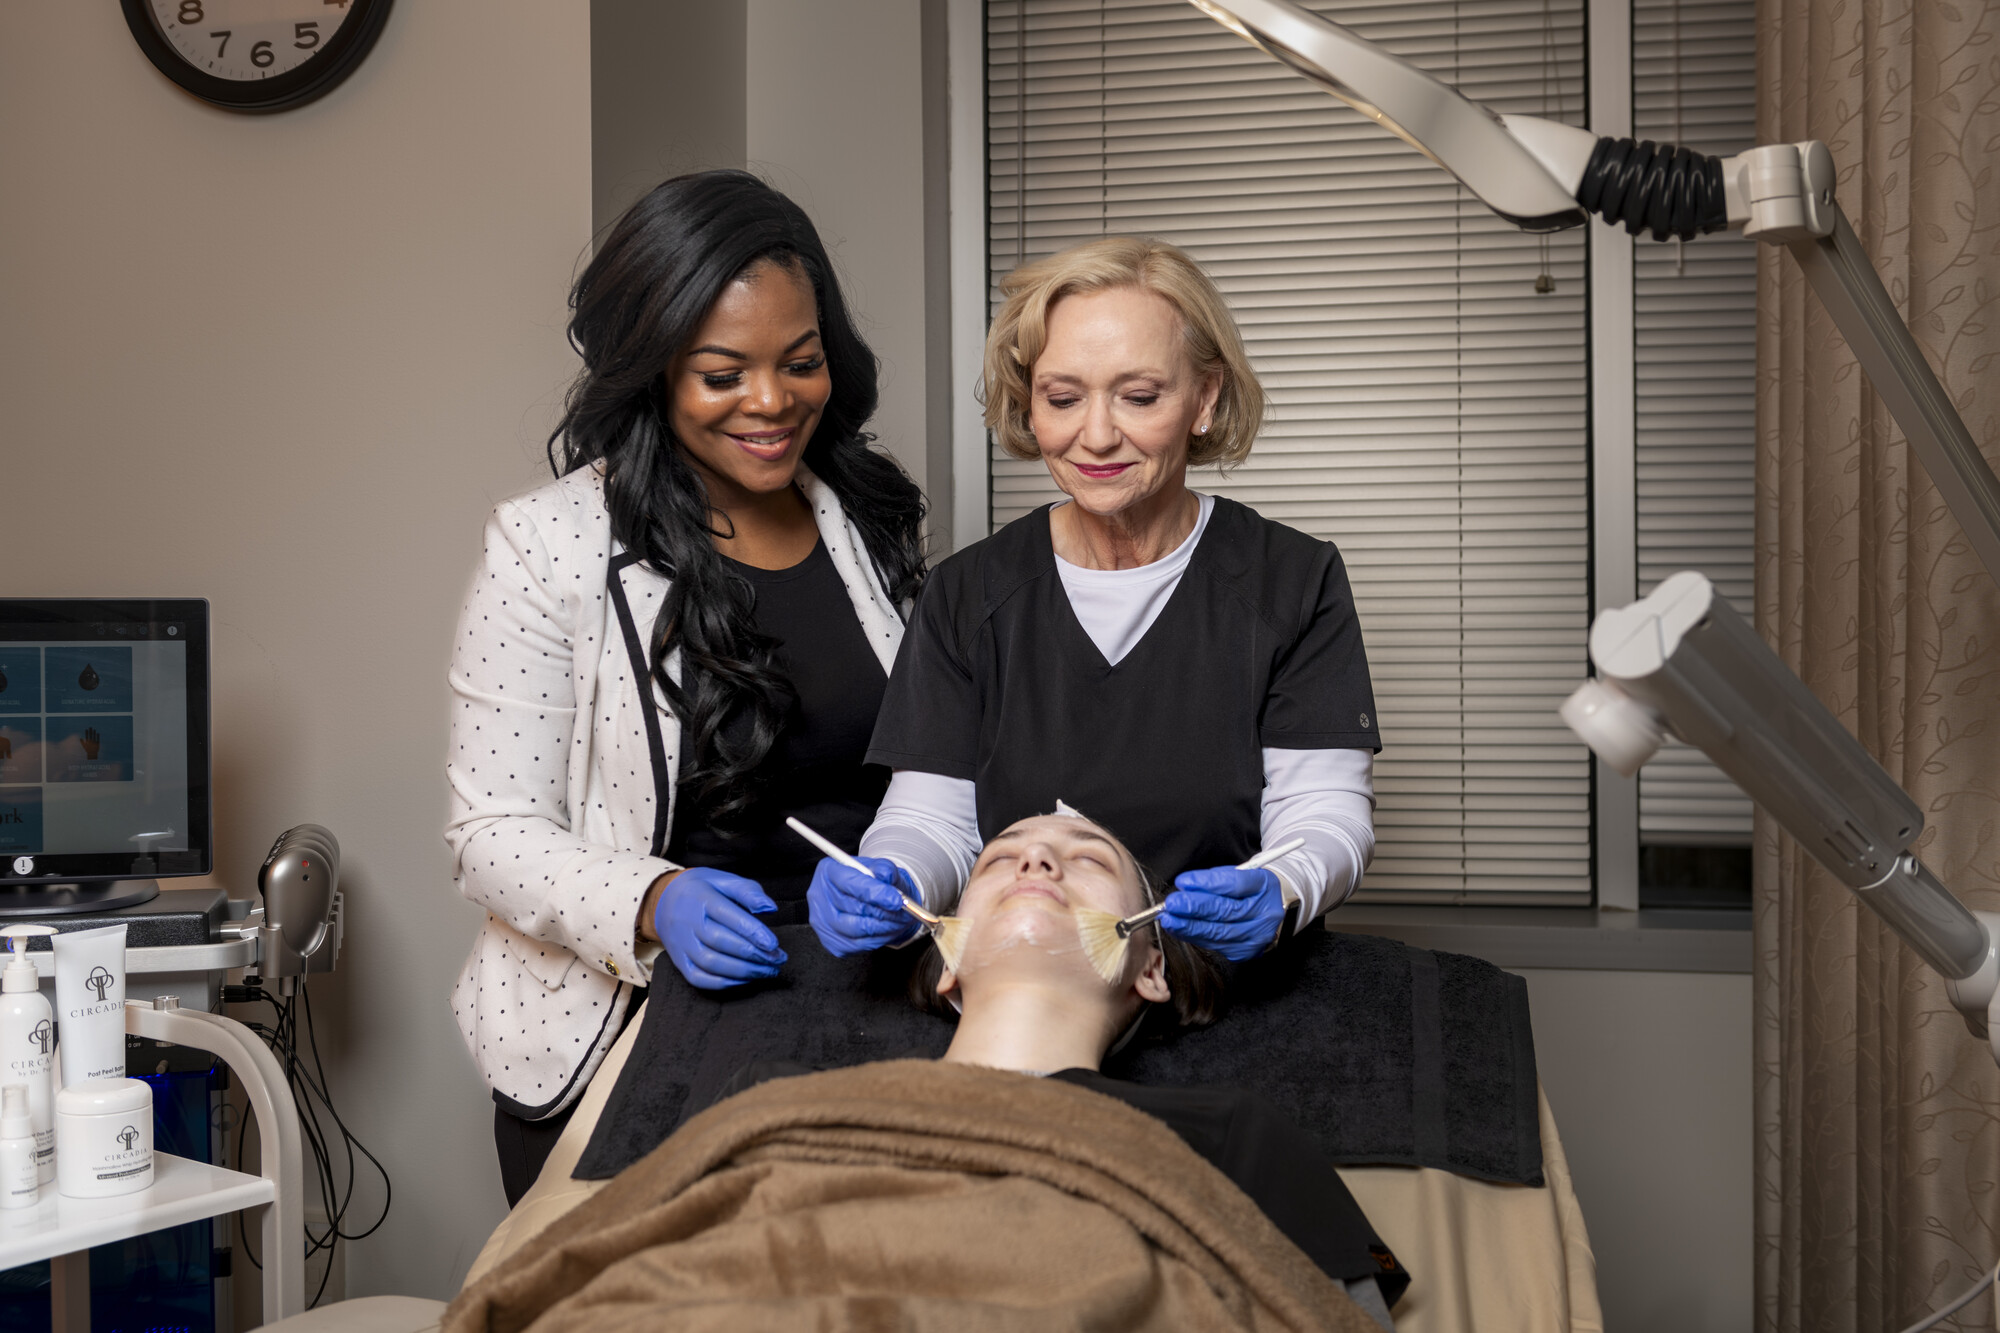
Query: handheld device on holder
pixel 300 883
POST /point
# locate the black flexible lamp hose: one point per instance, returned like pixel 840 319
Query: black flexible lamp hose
pixel 1658 187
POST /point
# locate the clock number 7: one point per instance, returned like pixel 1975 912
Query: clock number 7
pixel 224 35
pixel 301 32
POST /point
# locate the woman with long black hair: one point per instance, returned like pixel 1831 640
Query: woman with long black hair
pixel 679 642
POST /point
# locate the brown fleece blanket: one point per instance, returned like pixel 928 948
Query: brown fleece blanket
pixel 913 1195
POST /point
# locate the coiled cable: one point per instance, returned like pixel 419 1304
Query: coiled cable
pixel 1658 187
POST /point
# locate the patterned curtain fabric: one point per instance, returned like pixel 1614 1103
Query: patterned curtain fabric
pixel 1878 1140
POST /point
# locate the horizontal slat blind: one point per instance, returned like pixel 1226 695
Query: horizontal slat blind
pixel 1695 353
pixel 1429 407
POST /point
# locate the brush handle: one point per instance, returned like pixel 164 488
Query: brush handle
pixel 910 904
pixel 1139 920
pixel 1270 854
pixel 1257 862
pixel 826 846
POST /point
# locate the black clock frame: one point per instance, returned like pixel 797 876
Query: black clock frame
pixel 322 70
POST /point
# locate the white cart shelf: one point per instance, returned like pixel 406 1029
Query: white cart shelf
pixel 182 1191
pixel 63 1230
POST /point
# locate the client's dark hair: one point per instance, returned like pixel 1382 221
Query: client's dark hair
pixel 1194 974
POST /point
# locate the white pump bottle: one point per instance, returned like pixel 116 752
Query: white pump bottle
pixel 28 1043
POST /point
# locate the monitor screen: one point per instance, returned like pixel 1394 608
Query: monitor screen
pixel 104 740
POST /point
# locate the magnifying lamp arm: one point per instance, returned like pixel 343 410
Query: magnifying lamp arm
pixel 1544 176
pixel 1680 661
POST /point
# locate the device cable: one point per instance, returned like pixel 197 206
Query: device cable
pixel 319 1122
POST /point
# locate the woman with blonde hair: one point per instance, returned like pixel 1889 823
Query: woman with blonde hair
pixel 1184 668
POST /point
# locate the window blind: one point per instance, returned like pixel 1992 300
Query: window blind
pixel 1429 407
pixel 1695 356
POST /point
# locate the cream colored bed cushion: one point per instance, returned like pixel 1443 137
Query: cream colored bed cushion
pixel 1495 1258
pixel 553 1192
pixel 1485 1257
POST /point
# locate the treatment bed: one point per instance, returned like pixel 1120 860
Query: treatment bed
pixel 1438 1040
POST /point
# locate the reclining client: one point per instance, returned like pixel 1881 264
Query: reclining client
pixel 933 1193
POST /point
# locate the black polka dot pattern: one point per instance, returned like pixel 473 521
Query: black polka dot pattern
pixel 553 800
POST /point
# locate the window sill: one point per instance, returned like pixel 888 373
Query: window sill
pixel 1565 937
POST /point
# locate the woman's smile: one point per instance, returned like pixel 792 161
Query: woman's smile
pixel 767 445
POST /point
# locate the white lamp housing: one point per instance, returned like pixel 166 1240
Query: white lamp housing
pixel 1682 660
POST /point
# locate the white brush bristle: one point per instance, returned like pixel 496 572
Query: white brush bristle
pixel 950 936
pixel 1102 944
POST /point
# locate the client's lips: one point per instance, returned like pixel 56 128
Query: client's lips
pixel 1099 471
pixel 1038 889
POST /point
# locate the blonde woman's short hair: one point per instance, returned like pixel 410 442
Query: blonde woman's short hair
pixel 1021 330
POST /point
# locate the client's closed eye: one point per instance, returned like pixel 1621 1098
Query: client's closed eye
pixel 996 851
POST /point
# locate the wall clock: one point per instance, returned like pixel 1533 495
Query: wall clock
pixel 256 55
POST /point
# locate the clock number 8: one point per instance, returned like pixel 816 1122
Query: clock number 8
pixel 190 11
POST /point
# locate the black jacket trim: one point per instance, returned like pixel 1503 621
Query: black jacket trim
pixel 642 672
pixel 523 1111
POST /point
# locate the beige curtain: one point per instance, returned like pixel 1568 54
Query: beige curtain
pixel 1878 1151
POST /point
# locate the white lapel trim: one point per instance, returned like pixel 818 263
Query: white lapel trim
pixel 872 607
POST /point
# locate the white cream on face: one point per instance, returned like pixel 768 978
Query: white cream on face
pixel 1030 880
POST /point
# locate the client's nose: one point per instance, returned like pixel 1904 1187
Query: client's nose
pixel 1038 859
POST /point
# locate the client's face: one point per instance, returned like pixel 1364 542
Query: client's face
pixel 1021 901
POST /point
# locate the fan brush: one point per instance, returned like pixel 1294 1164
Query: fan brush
pixel 1107 937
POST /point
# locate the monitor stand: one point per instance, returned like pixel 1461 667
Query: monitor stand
pixel 21 901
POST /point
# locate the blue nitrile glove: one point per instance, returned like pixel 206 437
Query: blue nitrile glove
pixel 704 920
pixel 855 913
pixel 1237 913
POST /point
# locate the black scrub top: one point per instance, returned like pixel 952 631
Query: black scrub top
pixel 1257 647
pixel 815 770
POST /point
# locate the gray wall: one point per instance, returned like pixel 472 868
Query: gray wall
pixel 837 122
pixel 667 81
pixel 1648 1075
pixel 287 363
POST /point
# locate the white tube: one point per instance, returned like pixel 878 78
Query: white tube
pixel 90 1003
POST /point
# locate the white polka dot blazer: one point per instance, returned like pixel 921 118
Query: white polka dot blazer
pixel 561 774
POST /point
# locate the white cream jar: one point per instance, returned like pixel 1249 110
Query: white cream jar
pixel 104 1138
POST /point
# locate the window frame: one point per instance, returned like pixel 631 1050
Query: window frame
pixel 1613 576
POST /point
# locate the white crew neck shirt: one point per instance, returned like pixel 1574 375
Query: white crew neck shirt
pixel 1117 606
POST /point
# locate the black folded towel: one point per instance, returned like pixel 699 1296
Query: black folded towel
pixel 1385 1053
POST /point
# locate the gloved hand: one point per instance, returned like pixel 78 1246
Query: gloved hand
pixel 1237 913
pixel 855 913
pixel 704 921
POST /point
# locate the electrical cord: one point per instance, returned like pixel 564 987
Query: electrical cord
pixel 308 1083
pixel 1932 1320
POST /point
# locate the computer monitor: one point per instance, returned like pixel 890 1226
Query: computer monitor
pixel 104 751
